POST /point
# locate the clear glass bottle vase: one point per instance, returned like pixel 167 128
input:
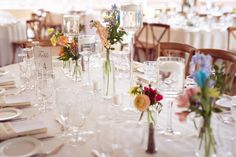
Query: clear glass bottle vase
pixel 108 77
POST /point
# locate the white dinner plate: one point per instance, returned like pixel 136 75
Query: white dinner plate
pixel 9 113
pixel 20 147
pixel 224 102
pixel 3 72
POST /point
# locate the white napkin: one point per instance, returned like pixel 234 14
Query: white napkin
pixel 7 82
pixel 21 128
pixel 16 102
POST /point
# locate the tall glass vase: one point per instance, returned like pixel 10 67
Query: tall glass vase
pixel 108 77
pixel 77 70
pixel 206 140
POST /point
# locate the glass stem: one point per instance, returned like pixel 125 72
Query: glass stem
pixel 89 81
pixel 169 128
pixel 131 40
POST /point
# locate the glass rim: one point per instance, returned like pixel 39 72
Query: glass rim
pixel 71 15
pixel 171 58
pixel 87 39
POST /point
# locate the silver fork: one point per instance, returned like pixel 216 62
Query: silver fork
pixel 49 153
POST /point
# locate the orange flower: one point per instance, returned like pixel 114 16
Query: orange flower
pixel 61 52
pixel 142 102
pixel 62 40
pixel 182 115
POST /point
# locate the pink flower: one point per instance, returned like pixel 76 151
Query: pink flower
pixel 182 115
pixel 183 101
pixel 191 91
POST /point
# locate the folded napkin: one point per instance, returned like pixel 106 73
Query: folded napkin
pixel 7 82
pixel 21 128
pixel 16 102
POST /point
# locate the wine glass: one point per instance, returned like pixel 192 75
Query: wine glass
pixel 64 102
pixel 105 135
pixel 76 121
pixel 86 100
pixel 131 19
pixel 170 83
pixel 86 49
pixel 150 70
pixel 45 91
pixel 135 140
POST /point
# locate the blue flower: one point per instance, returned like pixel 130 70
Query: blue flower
pixel 204 62
pixel 200 78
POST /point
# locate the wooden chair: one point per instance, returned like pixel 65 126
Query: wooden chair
pixel 231 33
pixel 33 33
pixel 178 50
pixel 226 57
pixel 147 39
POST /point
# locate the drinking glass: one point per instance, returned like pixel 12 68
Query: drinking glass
pixel 22 59
pixel 86 49
pixel 105 135
pixel 45 92
pixel 131 19
pixel 71 26
pixel 86 100
pixel 150 71
pixel 76 121
pixel 170 83
pixel 64 102
pixel 135 140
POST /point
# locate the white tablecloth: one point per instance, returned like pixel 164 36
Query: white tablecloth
pixel 214 38
pixel 10 33
pixel 182 146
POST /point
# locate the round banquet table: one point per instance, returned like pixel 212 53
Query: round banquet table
pixel 10 32
pixel 201 38
pixel 183 146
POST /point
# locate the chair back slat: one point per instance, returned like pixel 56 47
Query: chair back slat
pixel 147 39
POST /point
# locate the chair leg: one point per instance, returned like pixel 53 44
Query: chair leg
pixel 14 47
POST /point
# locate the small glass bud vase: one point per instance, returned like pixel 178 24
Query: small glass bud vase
pixel 108 77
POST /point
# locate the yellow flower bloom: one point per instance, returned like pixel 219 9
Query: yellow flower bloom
pixel 142 102
pixel 214 92
pixel 135 90
pixel 50 30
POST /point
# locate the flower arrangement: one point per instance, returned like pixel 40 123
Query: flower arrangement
pixel 201 101
pixel 69 49
pixel 109 34
pixel 145 98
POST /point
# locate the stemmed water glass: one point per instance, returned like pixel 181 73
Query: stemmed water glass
pixel 45 91
pixel 78 115
pixel 86 49
pixel 63 103
pixel 171 74
pixel 105 135
pixel 150 71
pixel 131 19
